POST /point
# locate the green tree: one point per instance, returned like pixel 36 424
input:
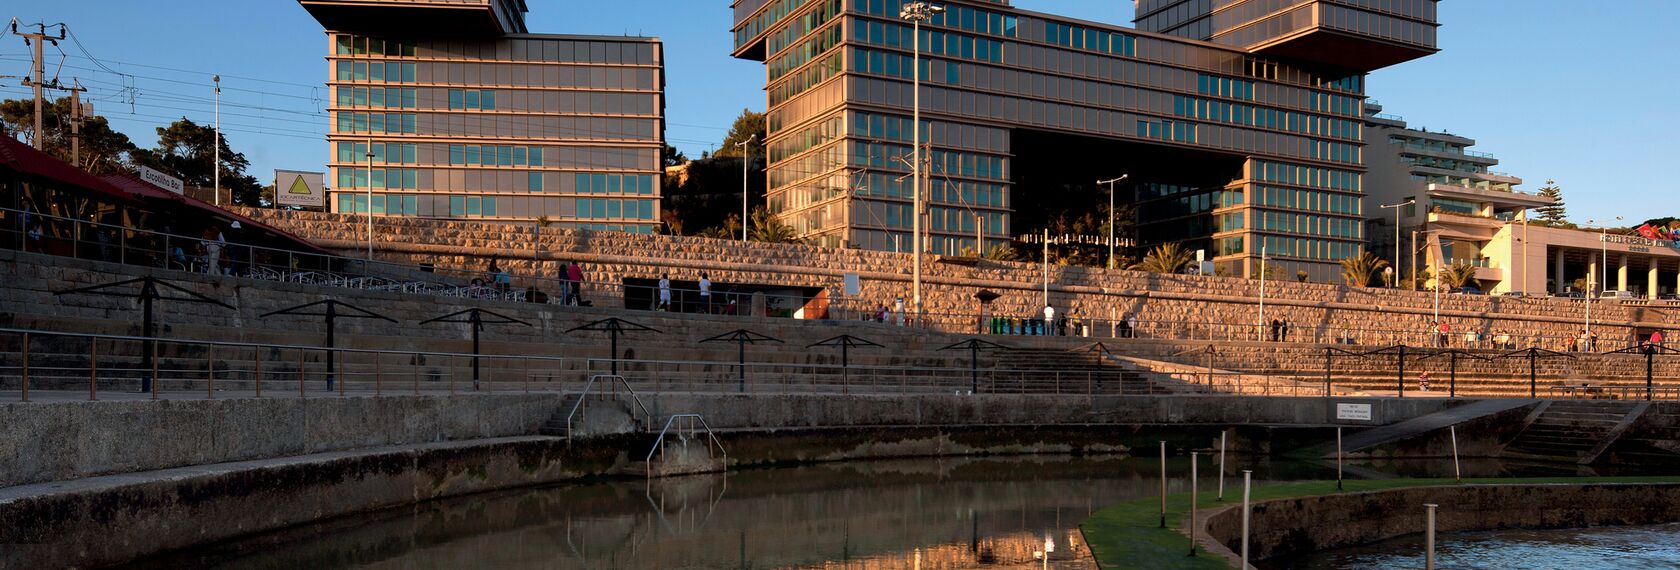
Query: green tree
pixel 103 150
pixel 767 228
pixel 1459 275
pixel 1555 213
pixel 1165 258
pixel 749 125
pixel 1003 252
pixel 1358 271
pixel 185 149
pixel 673 157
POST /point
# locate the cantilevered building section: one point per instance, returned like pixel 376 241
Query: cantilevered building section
pixel 1234 140
pixel 468 116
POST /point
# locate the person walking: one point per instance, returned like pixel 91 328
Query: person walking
pixel 664 293
pixel 565 276
pixel 706 292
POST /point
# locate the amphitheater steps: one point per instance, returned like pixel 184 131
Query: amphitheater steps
pixel 1575 431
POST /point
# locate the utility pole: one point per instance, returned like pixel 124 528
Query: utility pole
pixel 216 165
pixel 77 115
pixel 35 41
pixel 916 13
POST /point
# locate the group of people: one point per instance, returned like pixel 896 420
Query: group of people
pixel 1280 330
pixel 569 281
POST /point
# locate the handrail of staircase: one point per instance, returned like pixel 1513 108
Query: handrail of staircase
pixel 584 395
pixel 659 442
pixel 238 344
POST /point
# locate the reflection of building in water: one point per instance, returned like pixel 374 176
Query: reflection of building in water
pixel 1018 550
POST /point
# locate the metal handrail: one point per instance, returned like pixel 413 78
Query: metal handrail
pixel 167 340
pixel 584 396
pixel 659 443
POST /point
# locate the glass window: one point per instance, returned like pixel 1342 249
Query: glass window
pixel 457 205
pixel 613 183
pixel 457 99
pixel 489 205
pixel 536 156
pixel 598 183
pixel 535 181
pixel 472 154
pixel 474 205
pixel 487 100
pixel 472 99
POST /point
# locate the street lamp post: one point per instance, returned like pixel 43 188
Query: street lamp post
pixel 1436 283
pixel 745 155
pixel 916 13
pixel 1260 327
pixel 216 165
pixel 1396 207
pixel 1110 184
pixel 1604 266
pixel 370 200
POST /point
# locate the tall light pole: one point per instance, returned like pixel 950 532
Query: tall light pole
pixel 1396 207
pixel 1260 329
pixel 369 199
pixel 1604 266
pixel 745 156
pixel 916 13
pixel 216 166
pixel 1110 184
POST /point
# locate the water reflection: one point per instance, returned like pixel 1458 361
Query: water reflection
pixel 1630 548
pixel 948 513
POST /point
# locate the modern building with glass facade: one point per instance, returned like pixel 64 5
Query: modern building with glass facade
pixel 468 116
pixel 1238 122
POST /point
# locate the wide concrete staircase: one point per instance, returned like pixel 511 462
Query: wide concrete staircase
pixel 1085 369
pixel 1573 431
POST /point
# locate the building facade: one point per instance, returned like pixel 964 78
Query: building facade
pixel 450 109
pixel 1447 204
pixel 1239 126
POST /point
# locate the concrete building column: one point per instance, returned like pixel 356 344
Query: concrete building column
pixel 1651 281
pixel 1558 284
pixel 1622 273
pixel 1594 280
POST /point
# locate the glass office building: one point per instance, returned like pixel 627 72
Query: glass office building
pixel 1238 122
pixel 468 116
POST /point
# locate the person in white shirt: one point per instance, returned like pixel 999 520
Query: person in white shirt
pixel 664 292
pixel 1049 320
pixel 706 291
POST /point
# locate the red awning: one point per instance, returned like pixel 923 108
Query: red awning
pixel 132 184
pixel 26 160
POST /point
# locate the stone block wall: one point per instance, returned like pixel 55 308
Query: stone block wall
pixel 1180 306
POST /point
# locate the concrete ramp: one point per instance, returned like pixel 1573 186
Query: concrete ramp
pixel 1421 425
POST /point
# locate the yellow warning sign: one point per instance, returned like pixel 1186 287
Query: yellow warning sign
pixel 298 186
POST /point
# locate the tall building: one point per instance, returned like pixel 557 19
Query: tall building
pixel 1448 204
pixel 468 116
pixel 1238 123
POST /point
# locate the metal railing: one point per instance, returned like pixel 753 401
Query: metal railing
pixel 583 396
pixel 692 420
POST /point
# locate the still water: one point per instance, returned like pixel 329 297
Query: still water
pixel 945 513
pixel 1618 548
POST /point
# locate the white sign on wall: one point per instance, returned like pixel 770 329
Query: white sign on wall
pixel 297 188
pixel 852 286
pixel 162 180
pixel 1359 412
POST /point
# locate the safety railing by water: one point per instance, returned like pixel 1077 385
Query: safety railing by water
pixel 691 422
pixel 613 381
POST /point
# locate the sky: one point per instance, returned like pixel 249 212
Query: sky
pixel 1581 93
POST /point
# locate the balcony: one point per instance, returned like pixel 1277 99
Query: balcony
pixel 1465 220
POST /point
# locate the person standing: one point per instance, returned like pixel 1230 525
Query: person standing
pixel 1283 326
pixel 1657 338
pixel 574 273
pixel 1049 320
pixel 1131 326
pixel 565 276
pixel 706 292
pixel 664 293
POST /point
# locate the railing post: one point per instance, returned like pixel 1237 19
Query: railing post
pixel 257 357
pixel 93 369
pixel 527 375
pixel 376 370
pixel 301 393
pixel 210 372
pixel 25 373
pixel 416 375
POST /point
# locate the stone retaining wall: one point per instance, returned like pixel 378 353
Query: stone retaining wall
pixel 1284 526
pixel 1089 293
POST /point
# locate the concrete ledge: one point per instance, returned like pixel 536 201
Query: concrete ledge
pixel 1284 526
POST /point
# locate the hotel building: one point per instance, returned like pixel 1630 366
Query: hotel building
pixel 469 116
pixel 1238 122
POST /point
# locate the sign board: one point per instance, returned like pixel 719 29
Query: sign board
pixel 162 180
pixel 297 188
pixel 1359 412
pixel 852 287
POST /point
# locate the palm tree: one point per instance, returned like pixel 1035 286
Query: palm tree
pixel 1003 252
pixel 766 228
pixel 1459 275
pixel 1359 270
pixel 1165 258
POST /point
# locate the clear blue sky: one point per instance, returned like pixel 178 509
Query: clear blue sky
pixel 1574 91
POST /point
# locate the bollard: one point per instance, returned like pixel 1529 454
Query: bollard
pixel 1192 503
pixel 1458 476
pixel 1429 539
pixel 1222 435
pixel 1247 481
pixel 1338 458
pixel 1163 484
